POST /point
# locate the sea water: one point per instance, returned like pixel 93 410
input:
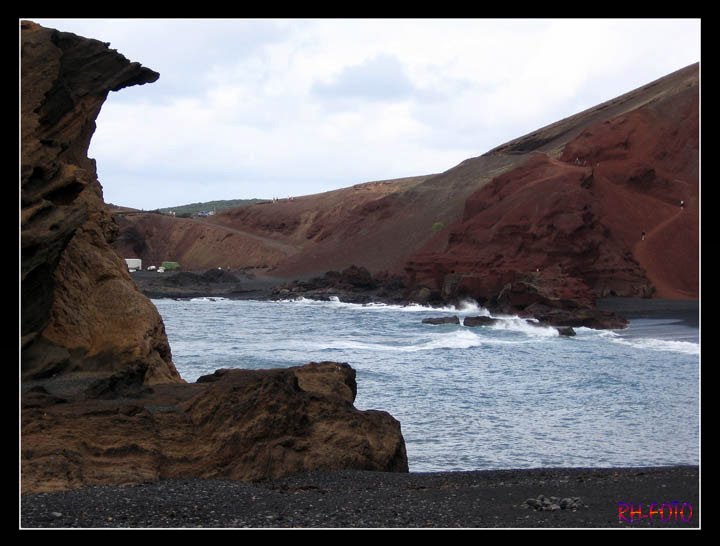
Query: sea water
pixel 511 395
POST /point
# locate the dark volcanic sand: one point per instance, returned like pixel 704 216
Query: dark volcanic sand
pixel 686 310
pixel 374 499
pixel 160 285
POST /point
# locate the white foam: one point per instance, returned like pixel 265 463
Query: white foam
pixel 471 306
pixel 684 347
pixel 516 324
pixel 210 299
pixel 458 339
pixel 466 307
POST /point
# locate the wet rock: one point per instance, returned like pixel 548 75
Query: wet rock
pixel 479 321
pixel 589 317
pixel 441 320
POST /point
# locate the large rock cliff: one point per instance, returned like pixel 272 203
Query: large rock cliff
pixel 605 203
pixel 102 402
pixel 81 311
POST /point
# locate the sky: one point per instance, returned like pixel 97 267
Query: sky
pixel 262 108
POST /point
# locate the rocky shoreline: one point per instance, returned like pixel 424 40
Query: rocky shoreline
pixel 363 499
pixel 356 285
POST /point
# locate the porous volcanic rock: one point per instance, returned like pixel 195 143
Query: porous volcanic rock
pixel 102 402
pixel 239 424
pixel 479 321
pixel 441 320
pixel 353 284
pixel 81 311
pixel 589 317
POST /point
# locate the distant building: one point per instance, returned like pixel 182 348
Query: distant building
pixel 133 264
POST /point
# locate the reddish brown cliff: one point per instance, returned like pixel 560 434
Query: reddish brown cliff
pixel 574 224
pixel 101 400
pixel 525 214
pixel 80 309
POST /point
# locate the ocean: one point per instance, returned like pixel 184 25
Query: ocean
pixel 511 395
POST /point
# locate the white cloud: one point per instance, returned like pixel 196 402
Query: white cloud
pixel 380 78
pixel 256 108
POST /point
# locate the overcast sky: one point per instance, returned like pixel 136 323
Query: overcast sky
pixel 273 108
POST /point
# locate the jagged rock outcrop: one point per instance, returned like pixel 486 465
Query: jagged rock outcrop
pixel 102 402
pixel 479 321
pixel 441 320
pixel 238 424
pixel 81 311
pixel 353 285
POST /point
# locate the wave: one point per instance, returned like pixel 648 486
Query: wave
pixel 516 324
pixel 459 339
pixel 684 347
pixel 212 298
pixel 645 343
pixel 465 307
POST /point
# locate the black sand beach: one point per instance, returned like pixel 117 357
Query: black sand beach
pixel 489 499
pixel 688 311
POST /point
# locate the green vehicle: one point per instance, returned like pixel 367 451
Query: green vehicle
pixel 170 266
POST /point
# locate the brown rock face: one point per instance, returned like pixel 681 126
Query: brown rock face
pixel 80 309
pixel 565 226
pixel 239 424
pixel 102 402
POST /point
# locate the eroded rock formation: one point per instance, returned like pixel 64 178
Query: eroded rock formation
pixel 102 402
pixel 81 311
pixel 239 424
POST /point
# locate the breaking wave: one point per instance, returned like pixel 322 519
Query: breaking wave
pixel 647 343
pixel 466 307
